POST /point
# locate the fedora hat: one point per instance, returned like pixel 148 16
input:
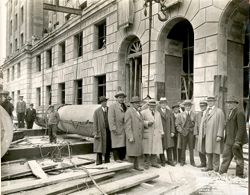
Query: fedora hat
pixel 152 102
pixel 211 98
pixel 120 93
pixel 135 99
pixel 175 106
pixel 163 100
pixel 232 99
pixel 187 102
pixel 102 99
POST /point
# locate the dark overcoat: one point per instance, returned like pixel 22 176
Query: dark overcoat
pixel 181 120
pixel 199 132
pixel 236 128
pixel 116 118
pixel 134 125
pixel 30 115
pixel 168 128
pixel 177 134
pixel 8 107
pixel 99 129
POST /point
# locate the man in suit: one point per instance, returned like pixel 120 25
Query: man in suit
pixel 30 116
pixel 134 126
pixel 116 118
pixel 102 139
pixel 236 137
pixel 152 141
pixel 169 132
pixel 185 126
pixel 200 135
pixel 20 110
pixel 213 124
pixel 177 136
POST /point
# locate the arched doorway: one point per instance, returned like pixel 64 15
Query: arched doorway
pixel 176 44
pixel 234 32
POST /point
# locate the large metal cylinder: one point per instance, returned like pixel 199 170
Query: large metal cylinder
pixel 77 119
pixel 6 126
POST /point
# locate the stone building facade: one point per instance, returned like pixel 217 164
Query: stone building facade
pixel 201 49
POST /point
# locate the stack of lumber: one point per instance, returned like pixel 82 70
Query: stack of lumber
pixel 80 179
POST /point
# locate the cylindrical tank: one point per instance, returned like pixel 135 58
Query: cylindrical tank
pixel 6 126
pixel 76 119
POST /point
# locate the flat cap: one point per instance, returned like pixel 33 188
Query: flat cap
pixel 152 102
pixel 203 102
pixel 187 102
pixel 102 99
pixel 211 98
pixel 120 93
pixel 232 99
pixel 163 100
pixel 135 99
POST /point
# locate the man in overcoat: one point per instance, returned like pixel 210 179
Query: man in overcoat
pixel 213 124
pixel 134 126
pixel 102 138
pixel 116 118
pixel 152 141
pixel 185 126
pixel 235 138
pixel 169 132
pixel 20 110
pixel 177 137
pixel 30 116
pixel 200 134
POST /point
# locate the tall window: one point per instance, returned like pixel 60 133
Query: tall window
pixel 18 70
pixel 16 44
pixel 13 73
pixel 16 22
pixel 61 93
pixel 8 75
pixel 21 18
pixel 49 58
pixel 78 45
pixel 101 35
pixel 38 96
pixel 38 63
pixel 101 86
pixel 48 95
pixel 62 52
pixel 21 37
pixel 78 91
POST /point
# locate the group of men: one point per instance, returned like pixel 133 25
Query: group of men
pixel 138 130
pixel 23 114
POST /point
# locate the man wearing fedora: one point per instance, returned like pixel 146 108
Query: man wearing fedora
pixel 30 116
pixel 177 137
pixel 20 110
pixel 116 118
pixel 185 123
pixel 213 124
pixel 169 132
pixel 152 141
pixel 235 138
pixel 102 139
pixel 134 126
pixel 200 135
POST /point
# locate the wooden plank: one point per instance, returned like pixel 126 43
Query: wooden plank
pixel 119 185
pixel 72 185
pixel 13 161
pixel 162 190
pixel 64 177
pixel 37 170
pixel 63 9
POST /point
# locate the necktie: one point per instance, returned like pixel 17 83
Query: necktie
pixel 153 113
pixel 123 107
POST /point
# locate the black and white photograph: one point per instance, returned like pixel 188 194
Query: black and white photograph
pixel 124 97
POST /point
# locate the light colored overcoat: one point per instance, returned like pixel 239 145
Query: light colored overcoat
pixel 99 129
pixel 116 117
pixel 134 126
pixel 214 125
pixel 152 143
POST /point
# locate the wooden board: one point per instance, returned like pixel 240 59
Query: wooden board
pixel 72 185
pixel 120 185
pixel 64 177
pixel 36 169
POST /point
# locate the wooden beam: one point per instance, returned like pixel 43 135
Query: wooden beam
pixel 64 177
pixel 119 185
pixel 71 185
pixel 63 9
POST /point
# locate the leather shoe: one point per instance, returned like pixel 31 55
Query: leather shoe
pixel 172 164
pixel 156 166
pixel 182 164
pixel 139 169
pixel 118 161
pixel 193 164
pixel 206 170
